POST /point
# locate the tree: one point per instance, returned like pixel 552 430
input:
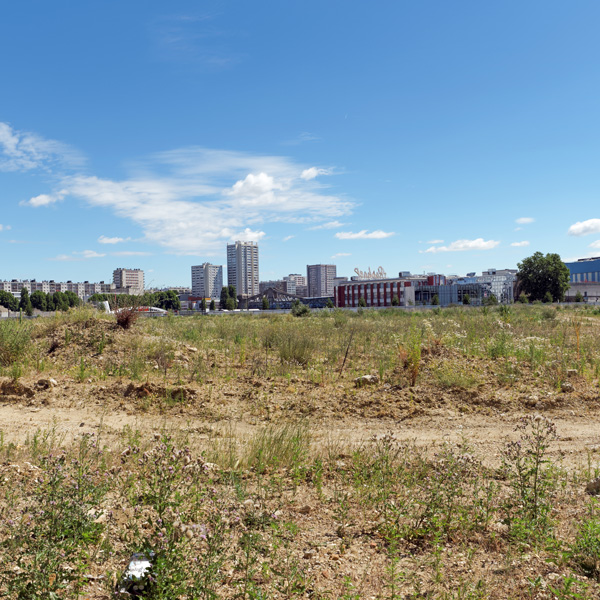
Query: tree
pixel 435 301
pixel 8 301
pixel 329 303
pixel 491 300
pixel 539 274
pixel 395 301
pixel 212 305
pixel 230 304
pixel 203 305
pixel 578 297
pixel 224 296
pixel 232 294
pixel 547 298
pixel 25 302
pixel 265 303
pixel 466 299
pixel 523 299
pixel 362 303
pixel 38 300
pixel 72 299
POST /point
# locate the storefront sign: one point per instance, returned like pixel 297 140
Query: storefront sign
pixel 379 274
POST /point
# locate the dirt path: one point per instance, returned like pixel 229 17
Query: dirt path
pixel 578 433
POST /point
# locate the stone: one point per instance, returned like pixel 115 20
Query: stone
pixel 46 384
pixel 305 510
pixel 567 387
pixel 366 380
pixel 571 372
pixel 593 487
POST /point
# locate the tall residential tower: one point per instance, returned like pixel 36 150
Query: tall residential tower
pixel 242 267
pixel 320 280
pixel 207 281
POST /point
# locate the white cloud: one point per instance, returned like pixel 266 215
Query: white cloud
pixel 112 240
pixel 463 245
pixel 524 220
pixel 77 256
pixel 90 254
pixel 595 244
pixel 209 197
pixel 364 235
pixel 330 225
pixel 24 151
pixel 44 199
pixel 339 254
pixel 435 242
pixel 313 172
pixel 585 227
pixel 287 238
pixel 247 235
pixel 5 227
pixel 520 244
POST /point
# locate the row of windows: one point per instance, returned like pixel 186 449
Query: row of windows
pixel 583 277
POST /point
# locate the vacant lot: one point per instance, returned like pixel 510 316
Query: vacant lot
pixel 247 454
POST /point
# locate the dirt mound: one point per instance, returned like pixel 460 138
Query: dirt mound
pixel 10 387
pixel 153 390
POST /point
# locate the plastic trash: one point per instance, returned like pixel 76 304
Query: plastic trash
pixel 135 580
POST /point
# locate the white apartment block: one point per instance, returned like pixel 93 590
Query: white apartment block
pixel 242 268
pixel 83 290
pixel 320 280
pixel 207 281
pixel 129 278
pixel 296 284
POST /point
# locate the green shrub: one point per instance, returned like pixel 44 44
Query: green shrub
pixel 299 309
pixel 14 341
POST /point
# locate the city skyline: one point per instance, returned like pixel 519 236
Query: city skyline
pixel 425 138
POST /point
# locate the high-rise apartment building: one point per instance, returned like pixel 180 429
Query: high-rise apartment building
pixel 320 280
pixel 129 278
pixel 242 267
pixel 207 281
pixel 296 284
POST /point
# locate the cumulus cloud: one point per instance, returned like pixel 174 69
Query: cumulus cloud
pixel 24 151
pixel 112 240
pixel 313 172
pixel 595 244
pixel 287 238
pixel 585 227
pixel 191 200
pixel 524 220
pixel 520 244
pixel 435 242
pixel 364 235
pixel 77 256
pixel 44 199
pixel 5 227
pixel 329 225
pixel 464 245
pixel 208 197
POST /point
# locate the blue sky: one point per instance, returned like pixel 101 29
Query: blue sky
pixel 421 136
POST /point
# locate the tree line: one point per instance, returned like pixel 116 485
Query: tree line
pixel 40 300
pixel 166 300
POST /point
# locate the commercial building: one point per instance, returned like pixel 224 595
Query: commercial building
pixel 501 282
pixel 207 281
pixel 320 280
pixel 585 279
pixel 585 270
pixel 129 278
pixel 380 292
pixel 242 268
